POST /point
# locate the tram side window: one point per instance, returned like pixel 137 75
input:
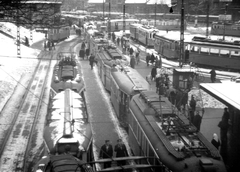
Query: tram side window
pixel 224 52
pixel 204 50
pixel 214 51
pixel 151 154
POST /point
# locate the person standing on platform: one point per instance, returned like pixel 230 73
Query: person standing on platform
pixel 132 61
pixel 118 41
pixel 148 57
pixel 91 60
pixel 197 120
pixel 138 56
pixel 192 105
pixel 152 58
pixel 153 73
pixel 106 152
pixel 215 141
pixel 131 51
pixel 121 151
pixel 213 75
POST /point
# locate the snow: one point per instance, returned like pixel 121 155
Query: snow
pixel 12 69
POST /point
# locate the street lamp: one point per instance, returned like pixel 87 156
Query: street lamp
pixel 224 24
pixel 182 35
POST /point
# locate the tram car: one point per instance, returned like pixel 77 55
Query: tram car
pixel 143 34
pixel 58 33
pixel 167 44
pixel 214 53
pixel 107 59
pixel 63 162
pixel 67 73
pixel 117 24
pixel 125 82
pixel 67 131
pixel 67 127
pixel 227 29
pixel 157 130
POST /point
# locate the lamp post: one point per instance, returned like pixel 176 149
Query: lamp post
pixel 109 17
pixel 155 10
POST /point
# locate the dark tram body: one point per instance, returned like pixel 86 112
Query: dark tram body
pixel 218 54
pixel 58 33
pixel 227 29
pixel 107 58
pixel 67 73
pixel 125 83
pixel 156 129
pixel 143 34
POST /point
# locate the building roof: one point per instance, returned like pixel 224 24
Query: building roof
pixel 136 1
pixel 227 93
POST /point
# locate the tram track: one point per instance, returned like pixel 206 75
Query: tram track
pixel 18 137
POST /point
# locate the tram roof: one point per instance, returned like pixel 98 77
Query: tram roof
pixel 227 93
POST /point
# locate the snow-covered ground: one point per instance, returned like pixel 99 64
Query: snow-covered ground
pixel 12 68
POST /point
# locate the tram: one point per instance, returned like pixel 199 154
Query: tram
pixel 157 129
pixel 117 24
pixel 58 33
pixel 227 29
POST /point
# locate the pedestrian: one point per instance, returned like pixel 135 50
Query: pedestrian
pixel 53 45
pixel 132 61
pixel 192 105
pixel 118 41
pixel 131 50
pixel 213 75
pixel 148 59
pixel 82 53
pixel 113 37
pixel 215 141
pixel 87 52
pixel 157 82
pixel 45 45
pixel 153 73
pixel 152 59
pixel 48 45
pixel 106 152
pixel 121 151
pixel 223 125
pixel 197 120
pixel 138 56
pixel 91 60
pixel 83 45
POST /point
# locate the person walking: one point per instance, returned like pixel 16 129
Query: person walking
pixel 153 73
pixel 148 57
pixel 192 105
pixel 197 120
pixel 213 75
pixel 121 151
pixel 87 52
pixel 118 41
pixel 106 152
pixel 91 60
pixel 215 141
pixel 138 56
pixel 131 51
pixel 132 61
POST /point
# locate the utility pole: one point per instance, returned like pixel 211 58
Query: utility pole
pixel 103 9
pixel 109 17
pixel 182 36
pixel 155 10
pixel 124 22
pixel 207 21
pixel 224 24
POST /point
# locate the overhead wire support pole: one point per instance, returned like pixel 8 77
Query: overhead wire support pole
pixel 224 23
pixel 155 10
pixel 18 32
pixel 207 20
pixel 124 22
pixel 182 36
pixel 109 17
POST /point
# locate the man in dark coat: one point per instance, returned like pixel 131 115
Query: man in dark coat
pixel 213 75
pixel 131 50
pixel 192 105
pixel 153 73
pixel 106 152
pixel 121 151
pixel 197 120
pixel 91 60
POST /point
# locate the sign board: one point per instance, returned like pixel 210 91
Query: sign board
pixel 225 17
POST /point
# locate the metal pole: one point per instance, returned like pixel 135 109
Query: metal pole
pixel 224 24
pixel 155 9
pixel 207 31
pixel 103 9
pixel 182 36
pixel 109 17
pixel 124 23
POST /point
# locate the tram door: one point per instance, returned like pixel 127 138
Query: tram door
pixel 123 108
